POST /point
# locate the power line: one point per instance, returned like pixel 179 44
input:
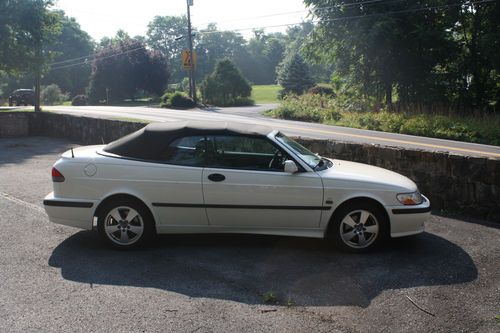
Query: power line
pixel 89 55
pixel 363 2
pixel 124 17
pixel 308 10
pixel 409 10
pixel 94 54
pixel 99 58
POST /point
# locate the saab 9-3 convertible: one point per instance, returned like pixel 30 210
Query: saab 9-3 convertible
pixel 223 177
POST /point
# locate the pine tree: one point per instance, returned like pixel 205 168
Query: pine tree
pixel 225 85
pixel 293 75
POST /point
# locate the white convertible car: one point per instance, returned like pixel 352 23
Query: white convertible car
pixel 194 177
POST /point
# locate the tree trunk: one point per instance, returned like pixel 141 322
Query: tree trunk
pixel 477 78
pixel 388 96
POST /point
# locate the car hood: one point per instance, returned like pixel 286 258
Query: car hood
pixel 364 175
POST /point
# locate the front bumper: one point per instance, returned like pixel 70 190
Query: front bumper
pixel 408 220
pixel 71 212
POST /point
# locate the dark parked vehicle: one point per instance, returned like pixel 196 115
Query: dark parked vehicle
pixel 22 97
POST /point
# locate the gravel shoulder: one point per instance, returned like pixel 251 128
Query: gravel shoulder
pixel 56 278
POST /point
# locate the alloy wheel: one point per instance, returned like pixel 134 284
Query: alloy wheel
pixel 359 229
pixel 123 225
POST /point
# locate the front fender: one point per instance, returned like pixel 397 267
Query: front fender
pixel 339 197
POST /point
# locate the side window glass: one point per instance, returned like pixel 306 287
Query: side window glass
pixel 247 153
pixel 189 151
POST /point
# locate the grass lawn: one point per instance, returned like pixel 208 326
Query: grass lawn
pixel 263 94
pixel 14 109
pixel 132 120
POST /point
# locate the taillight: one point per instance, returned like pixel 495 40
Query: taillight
pixel 57 177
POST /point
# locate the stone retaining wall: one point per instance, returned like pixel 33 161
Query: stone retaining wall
pixel 455 183
pixel 83 130
pixel 13 124
pixel 459 184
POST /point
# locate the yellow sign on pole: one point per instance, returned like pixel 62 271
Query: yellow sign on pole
pixel 186 59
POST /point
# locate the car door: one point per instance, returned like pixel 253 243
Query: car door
pixel 178 198
pixel 244 187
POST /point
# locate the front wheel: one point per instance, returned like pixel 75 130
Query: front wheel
pixel 125 224
pixel 359 228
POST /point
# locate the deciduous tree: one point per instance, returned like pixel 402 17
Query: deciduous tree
pixel 25 26
pixel 73 43
pixel 168 35
pixel 124 68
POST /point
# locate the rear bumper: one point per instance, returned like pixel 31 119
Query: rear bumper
pixel 71 212
pixel 406 221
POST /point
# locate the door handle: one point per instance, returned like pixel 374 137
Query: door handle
pixel 216 177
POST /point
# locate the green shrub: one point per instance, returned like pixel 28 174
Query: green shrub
pixel 308 107
pixel 321 90
pixel 392 122
pixel 242 101
pixel 269 298
pixel 317 108
pixel 179 100
pixel 176 100
pixel 184 85
pixel 171 88
pixel 281 94
pixel 52 94
pixel 79 100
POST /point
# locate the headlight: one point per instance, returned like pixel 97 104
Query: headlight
pixel 414 198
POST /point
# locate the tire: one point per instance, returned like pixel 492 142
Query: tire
pixel 122 231
pixel 359 227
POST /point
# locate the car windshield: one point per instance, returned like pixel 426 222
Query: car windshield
pixel 312 159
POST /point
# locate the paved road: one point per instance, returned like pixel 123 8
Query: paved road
pixel 295 128
pixel 59 279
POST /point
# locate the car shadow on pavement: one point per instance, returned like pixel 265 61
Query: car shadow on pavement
pixel 243 267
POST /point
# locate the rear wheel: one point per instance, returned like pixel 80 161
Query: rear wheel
pixel 125 224
pixel 359 227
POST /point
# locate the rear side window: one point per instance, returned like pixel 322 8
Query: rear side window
pixel 187 151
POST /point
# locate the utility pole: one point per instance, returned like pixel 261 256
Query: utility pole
pixel 38 78
pixel 192 83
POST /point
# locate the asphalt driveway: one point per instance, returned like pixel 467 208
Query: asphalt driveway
pixel 57 278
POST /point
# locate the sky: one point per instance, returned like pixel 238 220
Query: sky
pixel 102 18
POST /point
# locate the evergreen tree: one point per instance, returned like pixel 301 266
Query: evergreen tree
pixel 293 74
pixel 225 85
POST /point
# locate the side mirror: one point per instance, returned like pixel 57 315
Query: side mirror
pixel 291 167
